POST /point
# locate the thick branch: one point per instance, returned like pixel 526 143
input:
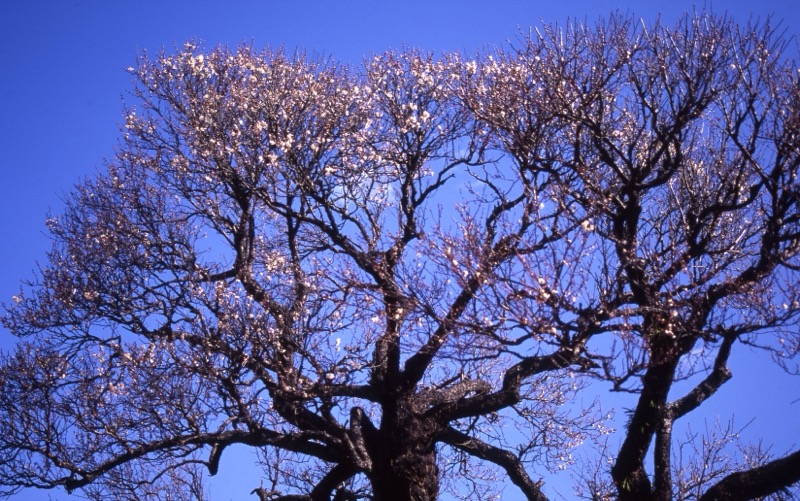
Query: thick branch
pixel 662 455
pixel 700 393
pixel 509 462
pixel 218 441
pixel 628 472
pixel 509 393
pixel 761 481
pixel 331 482
pixel 418 363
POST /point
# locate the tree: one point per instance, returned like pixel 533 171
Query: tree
pixel 373 276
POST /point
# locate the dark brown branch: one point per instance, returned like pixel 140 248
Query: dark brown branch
pixel 719 375
pixel 331 482
pixel 509 393
pixel 297 443
pixel 506 460
pixel 662 457
pixel 761 481
pixel 628 471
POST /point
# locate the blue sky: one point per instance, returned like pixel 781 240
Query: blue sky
pixel 63 79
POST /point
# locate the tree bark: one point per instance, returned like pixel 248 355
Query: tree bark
pixel 628 471
pixel 403 454
pixel 410 476
pixel 762 481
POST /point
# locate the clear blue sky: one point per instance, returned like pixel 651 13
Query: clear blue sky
pixel 62 81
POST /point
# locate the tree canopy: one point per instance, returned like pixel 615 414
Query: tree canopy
pixel 399 280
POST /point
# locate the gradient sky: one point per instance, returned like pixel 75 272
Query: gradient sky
pixel 63 81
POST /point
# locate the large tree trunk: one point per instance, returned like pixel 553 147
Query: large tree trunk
pixel 404 457
pixel 411 476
